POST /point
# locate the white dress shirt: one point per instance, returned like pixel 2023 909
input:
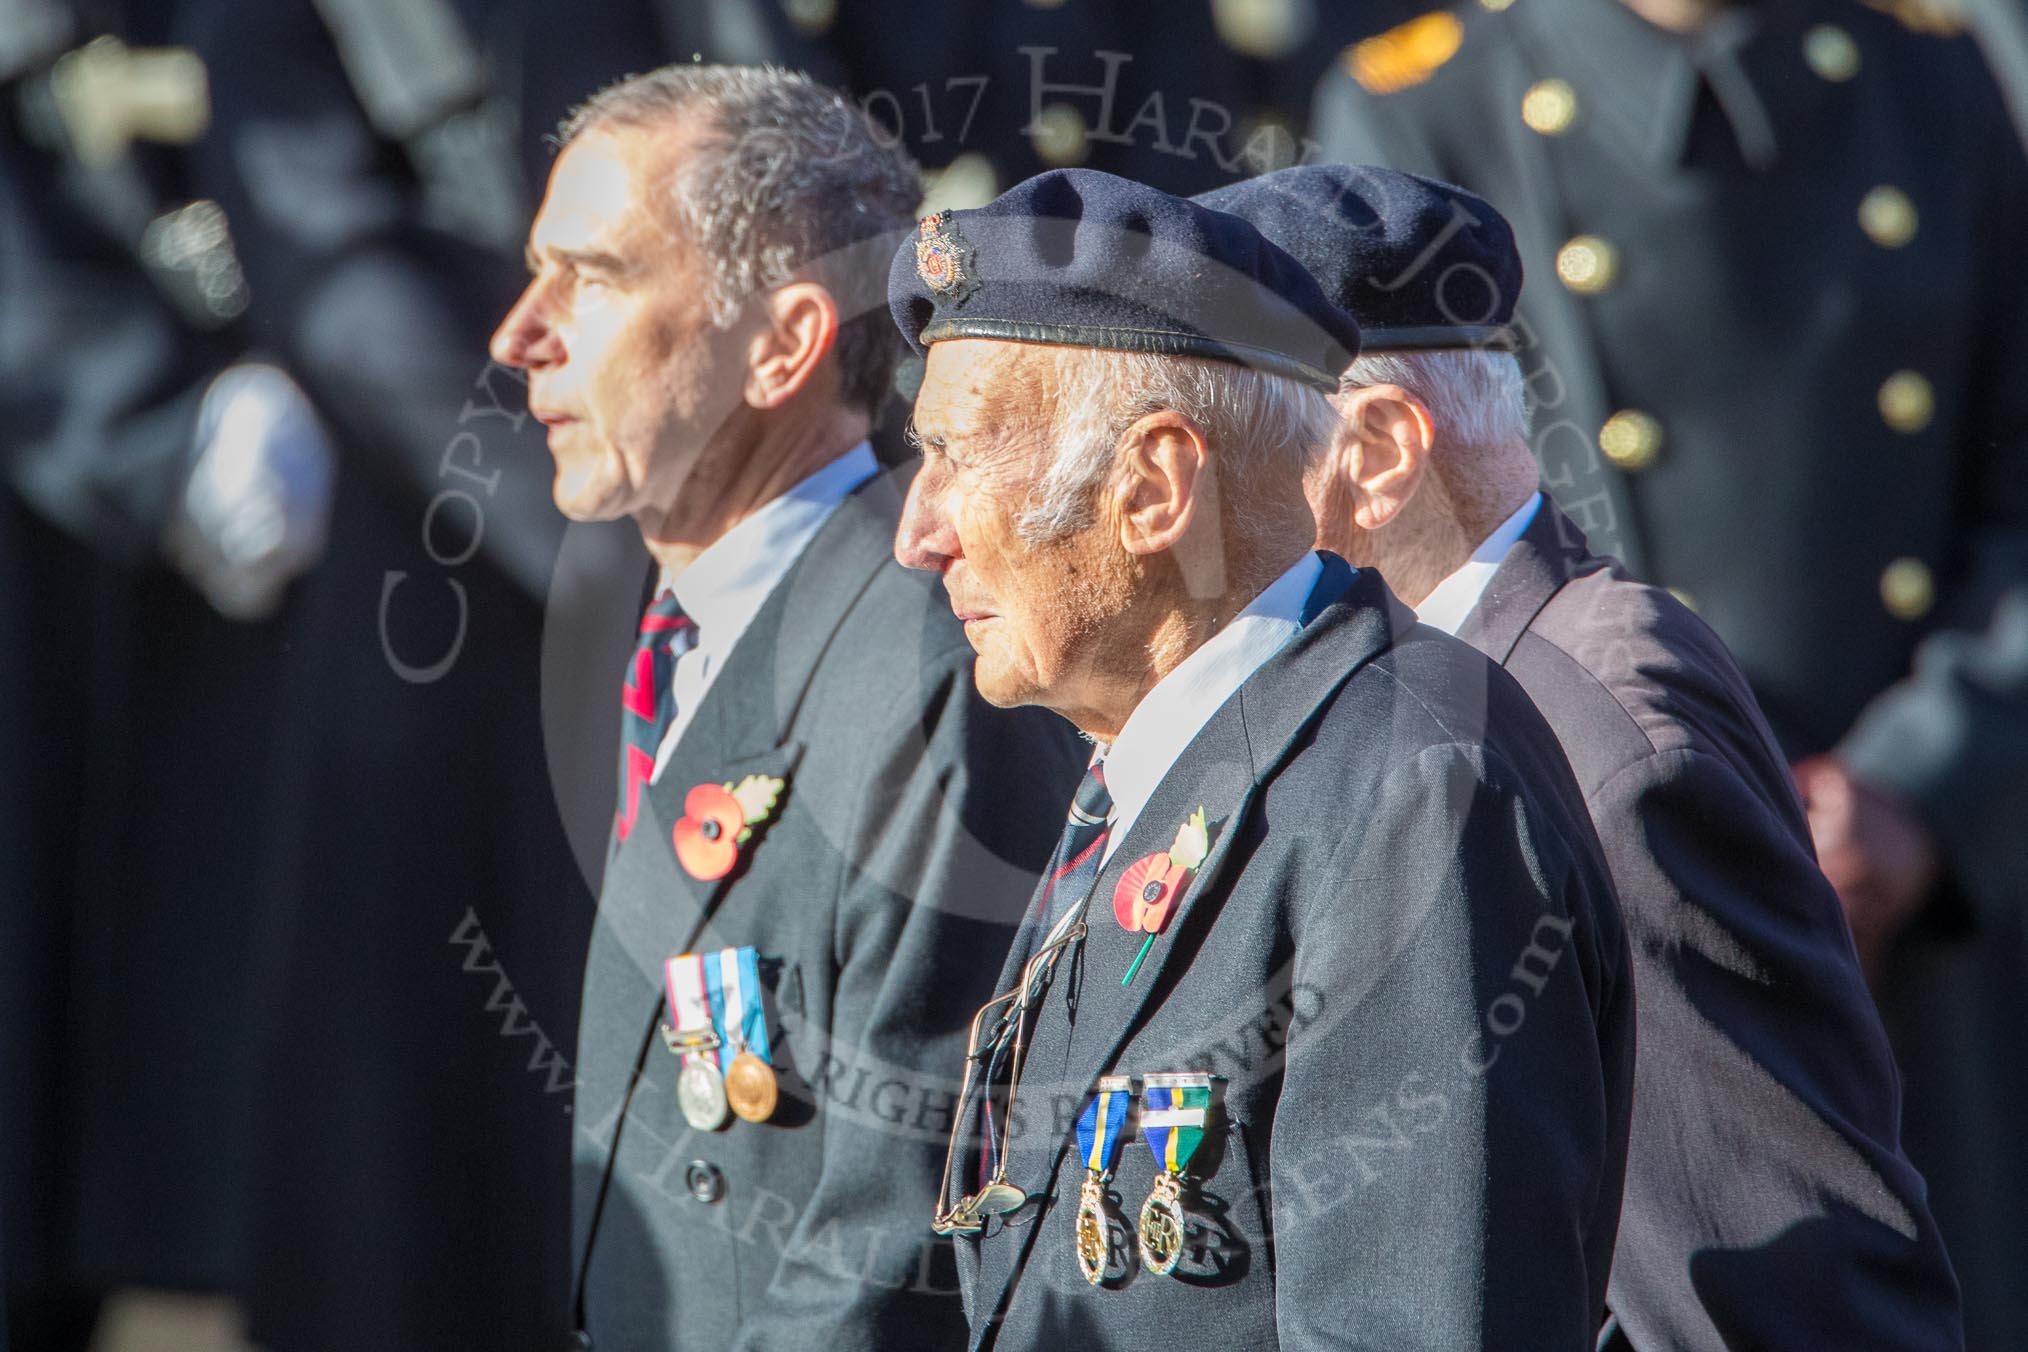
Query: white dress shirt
pixel 1446 607
pixel 724 587
pixel 1171 715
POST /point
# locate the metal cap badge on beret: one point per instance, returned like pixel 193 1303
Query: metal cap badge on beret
pixel 1419 263
pixel 1079 258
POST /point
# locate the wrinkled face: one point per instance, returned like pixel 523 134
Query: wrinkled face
pixel 624 365
pixel 1042 617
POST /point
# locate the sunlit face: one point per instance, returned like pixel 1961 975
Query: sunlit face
pixel 1038 615
pixel 624 365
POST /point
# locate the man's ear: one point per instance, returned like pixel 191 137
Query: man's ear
pixel 1165 477
pixel 799 326
pixel 1382 451
pixel 1169 499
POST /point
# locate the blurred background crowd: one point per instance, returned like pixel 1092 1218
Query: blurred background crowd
pixel 304 764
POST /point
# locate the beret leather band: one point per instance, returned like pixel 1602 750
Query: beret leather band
pixel 1155 342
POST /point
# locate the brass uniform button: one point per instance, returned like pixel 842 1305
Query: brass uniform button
pixel 813 17
pixel 1587 265
pixel 1060 136
pixel 1494 6
pixel 1266 30
pixel 968 181
pixel 1887 216
pixel 1907 402
pixel 1831 52
pixel 1907 589
pixel 1688 601
pixel 1631 439
pixel 1549 107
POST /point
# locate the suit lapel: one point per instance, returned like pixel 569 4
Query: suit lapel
pixel 745 723
pixel 1549 553
pixel 1088 1014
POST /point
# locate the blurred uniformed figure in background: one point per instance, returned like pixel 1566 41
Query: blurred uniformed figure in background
pixel 1777 341
pixel 248 260
pixel 163 481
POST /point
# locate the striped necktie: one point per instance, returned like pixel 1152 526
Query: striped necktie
pixel 647 703
pixel 1075 865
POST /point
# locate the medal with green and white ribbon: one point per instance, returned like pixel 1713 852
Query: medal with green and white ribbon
pixel 1098 1141
pixel 1174 1110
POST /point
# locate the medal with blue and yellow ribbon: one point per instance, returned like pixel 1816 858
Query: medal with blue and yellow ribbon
pixel 1098 1141
pixel 1174 1112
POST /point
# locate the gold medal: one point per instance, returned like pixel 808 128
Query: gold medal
pixel 751 1087
pixel 1093 1246
pixel 1161 1228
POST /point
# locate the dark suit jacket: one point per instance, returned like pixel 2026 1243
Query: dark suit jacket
pixel 1766 1143
pixel 881 897
pixel 1403 955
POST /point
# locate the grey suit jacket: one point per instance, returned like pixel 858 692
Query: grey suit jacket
pixel 880 897
pixel 1403 956
pixel 1765 1154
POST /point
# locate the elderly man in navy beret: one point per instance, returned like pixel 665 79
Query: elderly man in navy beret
pixel 1319 1029
pixel 1765 1152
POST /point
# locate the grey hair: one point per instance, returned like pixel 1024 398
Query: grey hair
pixel 1259 423
pixel 1478 399
pixel 798 177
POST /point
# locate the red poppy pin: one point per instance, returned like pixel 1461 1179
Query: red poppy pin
pixel 717 819
pixel 1147 892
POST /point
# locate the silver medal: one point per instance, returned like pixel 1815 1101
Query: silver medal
pixel 700 1092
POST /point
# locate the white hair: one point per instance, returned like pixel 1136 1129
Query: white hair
pixel 1477 399
pixel 1258 423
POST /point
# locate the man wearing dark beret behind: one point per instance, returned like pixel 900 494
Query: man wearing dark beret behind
pixel 1318 1030
pixel 820 827
pixel 1765 1149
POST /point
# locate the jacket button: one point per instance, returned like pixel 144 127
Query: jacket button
pixel 580 1341
pixel 705 1180
pixel 1888 216
pixel 1907 402
pixel 1831 52
pixel 1587 265
pixel 1549 107
pixel 1631 439
pixel 1907 589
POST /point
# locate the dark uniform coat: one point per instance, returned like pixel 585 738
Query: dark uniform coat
pixel 881 897
pixel 1765 1147
pixel 1403 955
pixel 1775 334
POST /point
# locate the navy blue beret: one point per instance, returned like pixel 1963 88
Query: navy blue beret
pixel 1420 264
pixel 1079 258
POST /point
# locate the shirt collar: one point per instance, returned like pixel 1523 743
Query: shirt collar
pixel 723 588
pixel 1170 716
pixel 1445 608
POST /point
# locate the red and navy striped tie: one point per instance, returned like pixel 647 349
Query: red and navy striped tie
pixel 1075 865
pixel 647 703
pixel 1078 853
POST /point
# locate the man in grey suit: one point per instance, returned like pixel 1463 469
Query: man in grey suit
pixel 822 835
pixel 1319 1030
pixel 1765 1154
